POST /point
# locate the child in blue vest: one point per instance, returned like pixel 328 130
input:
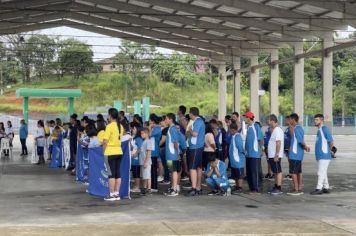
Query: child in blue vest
pixel 217 179
pixel 135 146
pixel 236 158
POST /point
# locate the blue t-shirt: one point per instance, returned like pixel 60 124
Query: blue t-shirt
pixel 296 150
pixel 182 142
pixel 267 137
pixel 156 134
pixel 23 132
pixel 254 135
pixel 236 152
pixel 222 169
pixel 198 126
pixel 287 139
pixel 171 139
pixel 322 145
pixel 137 144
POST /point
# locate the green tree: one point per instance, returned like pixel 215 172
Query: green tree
pixel 75 58
pixel 43 51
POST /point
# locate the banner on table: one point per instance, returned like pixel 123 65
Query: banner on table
pixel 56 157
pixel 66 153
pixel 80 167
pixel 34 156
pixel 125 167
pixel 98 174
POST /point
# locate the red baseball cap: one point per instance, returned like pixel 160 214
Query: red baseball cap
pixel 249 115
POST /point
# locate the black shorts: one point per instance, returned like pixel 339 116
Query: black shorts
pixel 295 167
pixel 237 173
pixel 174 166
pixel 115 164
pixel 195 158
pixel 40 151
pixel 206 158
pixel 275 166
pixel 136 173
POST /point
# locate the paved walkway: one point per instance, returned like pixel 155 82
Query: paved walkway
pixel 41 201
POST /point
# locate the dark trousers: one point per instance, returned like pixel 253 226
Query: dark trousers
pixel 253 167
pixel 23 146
pixel 165 166
pixel 73 154
pixel 154 173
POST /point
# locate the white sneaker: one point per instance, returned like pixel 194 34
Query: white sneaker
pixel 110 198
pixel 117 198
pixel 135 190
pixel 178 188
pixel 160 178
pixel 154 190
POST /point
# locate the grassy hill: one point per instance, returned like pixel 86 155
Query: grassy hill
pixel 103 89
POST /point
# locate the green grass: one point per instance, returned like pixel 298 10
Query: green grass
pixel 103 89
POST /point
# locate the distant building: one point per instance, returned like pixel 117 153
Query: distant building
pixel 108 65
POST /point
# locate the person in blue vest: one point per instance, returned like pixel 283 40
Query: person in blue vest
pixel 182 150
pixel 323 146
pixel 287 140
pixel 253 152
pixel 135 146
pixel 23 133
pixel 196 140
pixel 217 180
pixel 156 133
pixel 266 139
pixel 236 158
pixel 172 153
pixel 296 154
pixel 219 138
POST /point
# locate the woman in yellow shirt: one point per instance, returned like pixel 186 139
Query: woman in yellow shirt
pixel 112 149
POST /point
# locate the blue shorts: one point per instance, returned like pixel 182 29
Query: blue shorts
pixel 275 166
pixel 237 173
pixel 40 151
pixel 195 158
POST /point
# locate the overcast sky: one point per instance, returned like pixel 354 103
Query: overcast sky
pixel 109 46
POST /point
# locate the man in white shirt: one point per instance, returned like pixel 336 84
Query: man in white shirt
pixel 275 153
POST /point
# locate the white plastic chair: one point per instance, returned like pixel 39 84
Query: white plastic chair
pixel 5 146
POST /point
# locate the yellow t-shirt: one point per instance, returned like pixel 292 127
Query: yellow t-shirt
pixel 113 146
pixel 101 136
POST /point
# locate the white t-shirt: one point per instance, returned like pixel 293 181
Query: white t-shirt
pixel 40 133
pixel 277 135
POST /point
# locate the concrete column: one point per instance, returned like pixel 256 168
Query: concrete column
pixel 274 92
pixel 327 74
pixel 222 90
pixel 254 88
pixel 298 83
pixel 25 109
pixel 237 85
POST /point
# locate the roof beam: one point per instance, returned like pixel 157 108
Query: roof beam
pixel 221 42
pixel 20 4
pixel 35 19
pixel 112 33
pixel 347 8
pixel 9 15
pixel 275 12
pixel 196 23
pixel 272 27
pixel 144 32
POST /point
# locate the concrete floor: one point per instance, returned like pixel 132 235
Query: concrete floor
pixel 41 201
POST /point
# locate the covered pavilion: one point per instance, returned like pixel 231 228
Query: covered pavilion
pixel 223 30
